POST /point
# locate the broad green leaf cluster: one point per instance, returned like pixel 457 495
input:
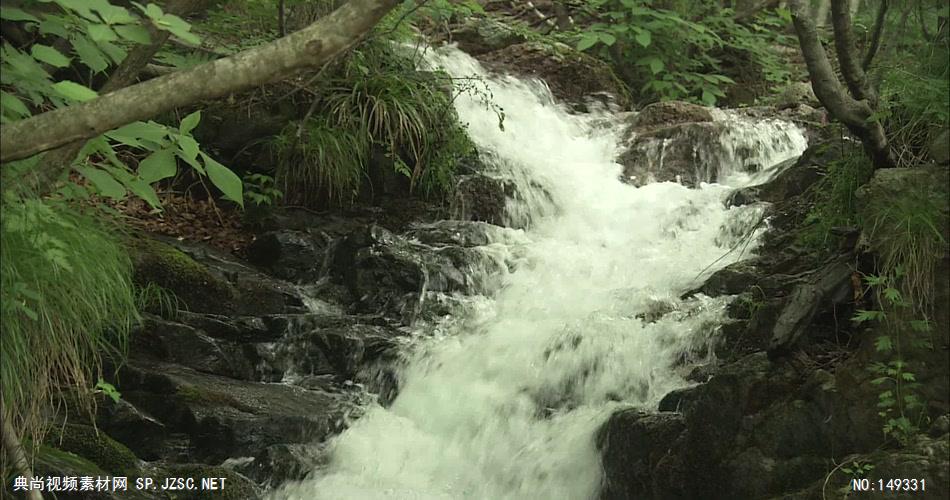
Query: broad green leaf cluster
pixel 672 54
pixel 89 37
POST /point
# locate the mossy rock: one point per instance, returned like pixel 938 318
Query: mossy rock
pixel 52 461
pixel 197 289
pixel 94 446
pixel 234 486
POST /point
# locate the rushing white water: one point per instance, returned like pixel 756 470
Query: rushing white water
pixel 507 406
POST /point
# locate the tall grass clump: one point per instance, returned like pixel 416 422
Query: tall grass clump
pixel 323 162
pixel 375 99
pixel 908 233
pixel 67 297
pixel 833 197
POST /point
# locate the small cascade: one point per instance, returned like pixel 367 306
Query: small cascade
pixel 574 316
pixel 732 149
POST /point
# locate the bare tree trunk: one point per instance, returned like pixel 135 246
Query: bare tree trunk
pixel 282 17
pixel 821 13
pixel 855 114
pixel 41 178
pixel 876 34
pixel 846 49
pixel 309 47
pixel 14 451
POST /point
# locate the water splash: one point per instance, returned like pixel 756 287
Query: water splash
pixel 505 403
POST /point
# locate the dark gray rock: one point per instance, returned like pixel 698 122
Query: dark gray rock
pixel 633 446
pixel 224 417
pixel 478 197
pixel 295 256
pixel 668 113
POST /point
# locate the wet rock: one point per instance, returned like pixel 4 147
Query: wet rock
pixel 384 272
pixel 792 179
pixel 479 197
pixel 667 113
pixel 339 351
pixel 479 35
pixel 170 341
pixel 633 446
pixel 451 232
pixel 207 281
pixel 295 256
pixel 137 430
pixel 829 285
pixel 223 417
pixel 283 462
pixel 671 154
pixel 572 75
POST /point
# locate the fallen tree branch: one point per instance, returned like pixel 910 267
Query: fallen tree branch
pixel 309 47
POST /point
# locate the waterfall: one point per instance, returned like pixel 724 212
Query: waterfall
pixel 506 404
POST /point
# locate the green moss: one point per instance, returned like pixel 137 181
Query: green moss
pixel 96 447
pixel 53 461
pixel 198 290
pixel 234 486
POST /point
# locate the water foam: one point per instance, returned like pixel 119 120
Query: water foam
pixel 506 406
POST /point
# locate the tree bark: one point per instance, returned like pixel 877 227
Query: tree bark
pixel 14 450
pixel 853 113
pixel 821 13
pixel 309 47
pixel 876 34
pixel 851 70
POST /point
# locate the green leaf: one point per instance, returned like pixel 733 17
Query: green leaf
pixel 188 147
pixel 883 344
pixel 89 54
pixel 116 53
pixel 587 41
pixel 144 191
pixel 15 14
pixel 13 104
pixel 708 98
pixel 135 132
pixel 134 33
pixel 643 37
pixel 49 55
pixel 178 27
pixel 225 180
pixel 54 25
pixel 655 63
pixel 101 33
pixel 189 122
pixel 607 39
pixel 113 14
pixel 104 182
pixel 157 166
pixel 74 91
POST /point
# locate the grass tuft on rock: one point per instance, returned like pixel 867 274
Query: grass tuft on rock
pixel 67 297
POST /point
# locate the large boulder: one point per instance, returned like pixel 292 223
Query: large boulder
pixel 573 76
